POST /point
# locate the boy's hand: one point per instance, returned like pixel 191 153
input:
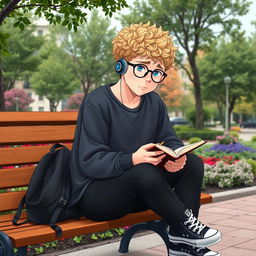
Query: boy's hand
pixel 142 155
pixel 174 166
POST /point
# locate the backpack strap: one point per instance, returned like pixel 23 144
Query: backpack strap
pixel 56 228
pixel 18 213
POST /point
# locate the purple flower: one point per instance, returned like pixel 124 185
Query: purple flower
pixel 233 147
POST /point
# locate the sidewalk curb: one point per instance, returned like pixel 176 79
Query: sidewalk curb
pixel 233 194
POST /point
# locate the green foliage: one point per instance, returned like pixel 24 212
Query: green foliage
pixel 194 139
pixel 119 231
pixel 253 138
pixel 77 239
pixel 94 236
pixel 90 49
pixel 235 58
pixel 23 58
pixel 51 244
pixel 191 115
pixel 3 44
pixel 183 128
pixel 253 164
pixel 234 134
pixel 54 79
pixel 70 14
pixel 203 134
pixel 39 250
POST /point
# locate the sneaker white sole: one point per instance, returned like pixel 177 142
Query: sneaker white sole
pixel 176 253
pixel 204 242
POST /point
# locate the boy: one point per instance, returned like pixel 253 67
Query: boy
pixel 113 170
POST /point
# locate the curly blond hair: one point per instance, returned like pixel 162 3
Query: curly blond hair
pixel 144 40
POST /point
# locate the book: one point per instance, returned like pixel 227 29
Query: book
pixel 177 153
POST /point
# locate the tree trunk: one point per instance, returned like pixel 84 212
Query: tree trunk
pixel 230 110
pixel 2 101
pixel 197 92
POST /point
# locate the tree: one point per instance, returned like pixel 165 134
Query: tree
pixel 74 101
pixel 235 58
pixel 192 23
pixel 54 80
pixel 90 51
pixel 66 13
pixel 69 14
pixel 17 100
pixel 170 89
pixel 22 57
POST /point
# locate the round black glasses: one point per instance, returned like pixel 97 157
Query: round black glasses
pixel 141 70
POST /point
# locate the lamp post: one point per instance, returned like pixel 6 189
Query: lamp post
pixel 227 81
pixel 17 103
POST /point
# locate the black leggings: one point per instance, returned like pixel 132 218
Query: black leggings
pixel 146 186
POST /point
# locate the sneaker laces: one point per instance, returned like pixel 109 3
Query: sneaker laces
pixel 194 222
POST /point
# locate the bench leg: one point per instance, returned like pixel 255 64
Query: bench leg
pixel 6 248
pixel 158 226
pixel 22 251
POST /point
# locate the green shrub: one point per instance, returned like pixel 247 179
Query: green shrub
pixel 253 138
pixel 183 128
pixel 194 139
pixel 191 115
pixel 253 164
pixel 235 134
pixel 203 134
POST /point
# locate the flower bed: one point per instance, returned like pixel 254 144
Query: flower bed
pixel 229 163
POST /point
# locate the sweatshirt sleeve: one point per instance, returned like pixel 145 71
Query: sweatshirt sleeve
pixel 166 132
pixel 95 158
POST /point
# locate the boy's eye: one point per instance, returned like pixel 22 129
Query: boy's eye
pixel 140 68
pixel 156 73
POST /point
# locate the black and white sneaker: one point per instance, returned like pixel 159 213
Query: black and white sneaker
pixel 192 232
pixel 187 250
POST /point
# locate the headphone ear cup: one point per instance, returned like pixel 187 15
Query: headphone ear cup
pixel 121 66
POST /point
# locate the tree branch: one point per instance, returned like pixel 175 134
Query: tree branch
pixel 8 9
pixel 186 70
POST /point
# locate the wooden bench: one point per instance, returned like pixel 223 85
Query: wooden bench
pixel 48 128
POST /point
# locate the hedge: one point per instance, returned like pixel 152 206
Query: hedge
pixel 204 135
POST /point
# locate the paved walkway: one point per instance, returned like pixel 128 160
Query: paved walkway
pixel 236 219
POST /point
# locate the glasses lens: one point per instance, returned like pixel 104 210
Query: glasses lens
pixel 157 75
pixel 140 70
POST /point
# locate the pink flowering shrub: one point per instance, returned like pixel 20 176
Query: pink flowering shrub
pixel 226 139
pixel 23 100
pixel 74 101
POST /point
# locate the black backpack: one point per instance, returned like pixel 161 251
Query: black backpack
pixel 48 196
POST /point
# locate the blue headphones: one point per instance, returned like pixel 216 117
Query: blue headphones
pixel 121 66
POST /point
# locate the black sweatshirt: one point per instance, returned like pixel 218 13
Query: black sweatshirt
pixel 108 133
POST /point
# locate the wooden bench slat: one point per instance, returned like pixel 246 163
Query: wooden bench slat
pixel 24 155
pixel 10 200
pixel 30 118
pixel 17 135
pixel 8 217
pixel 15 177
pixel 73 228
pixel 205 198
